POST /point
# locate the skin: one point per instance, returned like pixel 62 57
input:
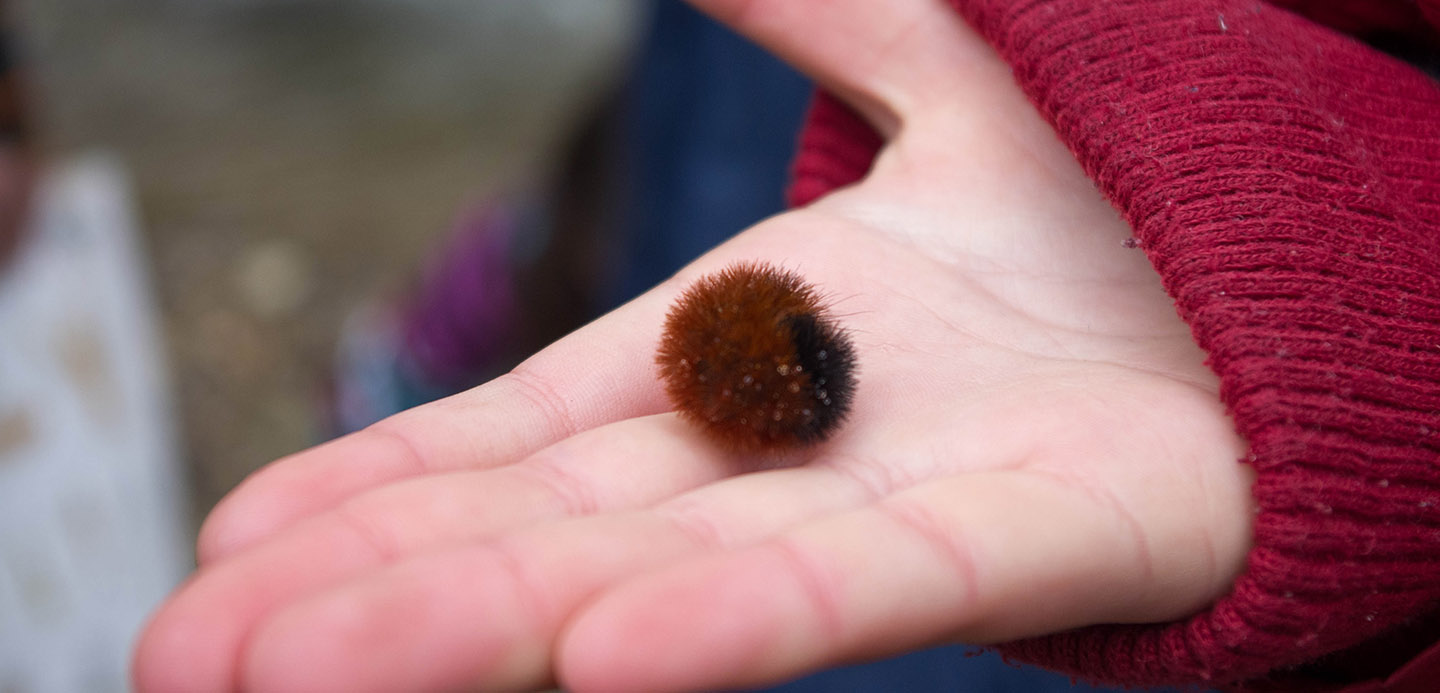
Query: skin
pixel 1035 445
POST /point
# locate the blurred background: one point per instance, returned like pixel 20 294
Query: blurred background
pixel 291 159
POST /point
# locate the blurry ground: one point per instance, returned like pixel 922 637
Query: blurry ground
pixel 293 157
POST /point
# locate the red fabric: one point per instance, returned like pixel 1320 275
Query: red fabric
pixel 836 148
pixel 1284 180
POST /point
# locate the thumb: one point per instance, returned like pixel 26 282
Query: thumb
pixel 886 59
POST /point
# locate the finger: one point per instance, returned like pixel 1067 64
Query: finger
pixel 980 558
pixel 887 59
pixel 589 378
pixel 487 615
pixel 624 465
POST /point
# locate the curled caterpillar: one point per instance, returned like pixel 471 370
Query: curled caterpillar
pixel 752 356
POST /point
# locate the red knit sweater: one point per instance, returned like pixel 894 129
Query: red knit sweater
pixel 1284 180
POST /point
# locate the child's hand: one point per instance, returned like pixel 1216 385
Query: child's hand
pixel 1035 445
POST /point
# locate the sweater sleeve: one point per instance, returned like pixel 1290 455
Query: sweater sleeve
pixel 1284 180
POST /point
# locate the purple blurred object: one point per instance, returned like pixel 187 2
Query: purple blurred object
pixel 456 329
pixel 464 312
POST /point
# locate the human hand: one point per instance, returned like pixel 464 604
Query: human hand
pixel 1035 445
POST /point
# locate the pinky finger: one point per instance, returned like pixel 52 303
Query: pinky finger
pixel 980 558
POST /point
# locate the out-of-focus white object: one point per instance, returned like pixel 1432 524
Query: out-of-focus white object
pixel 91 524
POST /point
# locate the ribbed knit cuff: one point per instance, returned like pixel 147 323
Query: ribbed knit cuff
pixel 836 149
pixel 1284 180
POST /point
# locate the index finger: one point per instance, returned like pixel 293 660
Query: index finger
pixel 589 378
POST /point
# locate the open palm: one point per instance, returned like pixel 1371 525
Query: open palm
pixel 1035 445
